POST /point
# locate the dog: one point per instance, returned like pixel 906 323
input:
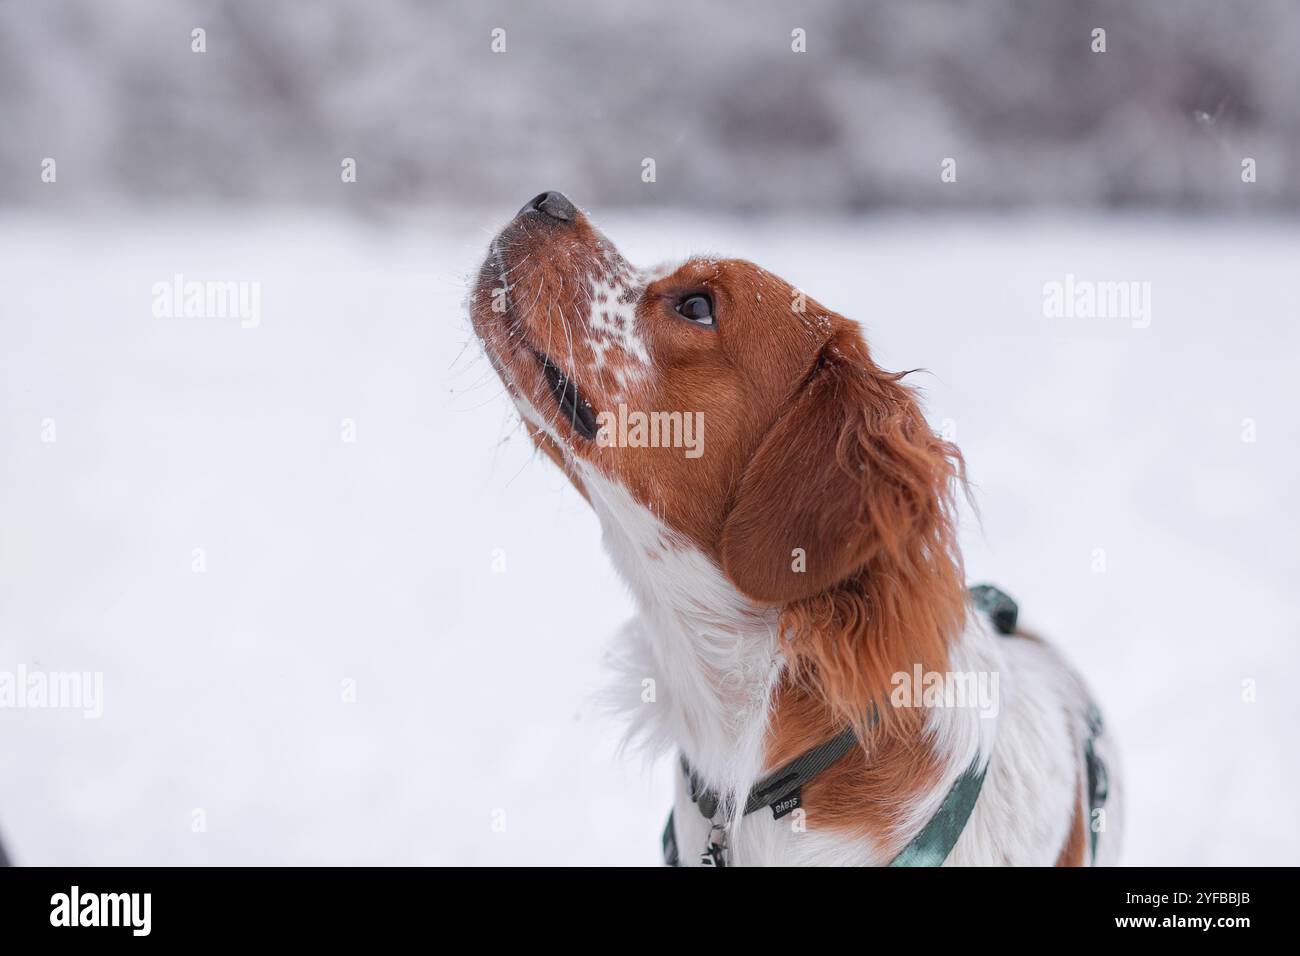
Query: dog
pixel 784 518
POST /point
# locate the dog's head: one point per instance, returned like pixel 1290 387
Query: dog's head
pixel 805 462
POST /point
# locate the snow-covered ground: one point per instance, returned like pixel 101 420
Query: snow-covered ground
pixel 473 737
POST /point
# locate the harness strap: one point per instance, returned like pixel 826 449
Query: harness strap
pixel 671 856
pixel 1098 782
pixel 776 788
pixel 779 790
pixel 932 845
pixel 998 605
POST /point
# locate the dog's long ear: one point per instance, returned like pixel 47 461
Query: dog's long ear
pixel 851 474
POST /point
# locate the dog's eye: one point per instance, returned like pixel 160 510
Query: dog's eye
pixel 697 307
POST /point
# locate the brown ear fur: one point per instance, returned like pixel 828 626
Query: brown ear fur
pixel 854 476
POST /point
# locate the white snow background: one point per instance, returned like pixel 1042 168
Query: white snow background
pixel 372 561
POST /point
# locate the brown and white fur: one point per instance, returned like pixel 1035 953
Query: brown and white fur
pixel 757 655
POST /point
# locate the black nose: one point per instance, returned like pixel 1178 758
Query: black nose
pixel 553 204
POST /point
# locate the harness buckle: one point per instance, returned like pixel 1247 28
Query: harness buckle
pixel 715 848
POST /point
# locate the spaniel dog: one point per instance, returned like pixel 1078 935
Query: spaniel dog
pixel 784 518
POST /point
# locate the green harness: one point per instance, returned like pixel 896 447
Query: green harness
pixel 781 791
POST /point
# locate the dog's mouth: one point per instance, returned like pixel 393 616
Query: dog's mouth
pixel 574 407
